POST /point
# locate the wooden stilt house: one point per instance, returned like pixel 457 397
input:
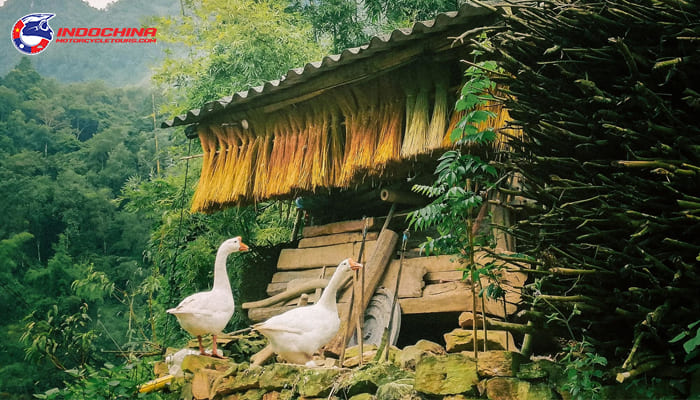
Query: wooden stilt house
pixel 344 133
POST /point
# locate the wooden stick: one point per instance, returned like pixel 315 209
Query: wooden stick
pixel 352 297
pixel 387 330
pixel 305 287
pixel 361 316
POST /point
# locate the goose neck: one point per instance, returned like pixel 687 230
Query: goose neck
pixel 328 297
pixel 220 275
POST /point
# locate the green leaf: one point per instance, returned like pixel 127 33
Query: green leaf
pixel 693 343
pixel 679 337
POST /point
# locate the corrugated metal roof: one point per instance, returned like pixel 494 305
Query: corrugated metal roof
pixel 296 76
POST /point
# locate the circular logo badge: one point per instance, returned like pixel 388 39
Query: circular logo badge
pixel 32 33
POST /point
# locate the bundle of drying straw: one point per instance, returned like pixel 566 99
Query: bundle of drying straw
pixel 331 140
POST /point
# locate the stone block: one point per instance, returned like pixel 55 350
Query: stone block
pixel 243 380
pixel 410 355
pixel 193 363
pixel 252 394
pixel 317 382
pixel 363 396
pixel 280 376
pixel 538 369
pixel 498 363
pixel 462 340
pixel 445 375
pixel 397 390
pixel 502 388
pixel 202 383
pixel 370 377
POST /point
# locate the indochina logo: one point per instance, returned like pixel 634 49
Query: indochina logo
pixel 32 33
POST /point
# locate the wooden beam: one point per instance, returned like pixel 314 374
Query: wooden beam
pixel 452 297
pixel 339 227
pixel 402 197
pixel 411 283
pixel 313 257
pixel 338 238
pixel 307 286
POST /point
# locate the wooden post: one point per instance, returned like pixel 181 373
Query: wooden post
pixel 408 198
pixel 374 270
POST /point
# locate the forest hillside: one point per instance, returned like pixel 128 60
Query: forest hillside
pixel 117 65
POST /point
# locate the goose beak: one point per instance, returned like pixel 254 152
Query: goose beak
pixel 354 265
pixel 243 246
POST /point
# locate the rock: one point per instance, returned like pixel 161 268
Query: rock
pixel 160 368
pixel 317 382
pixel 246 379
pixel 395 390
pixel 363 396
pixel 280 376
pixel 535 370
pixel 466 320
pixel 444 375
pixel 498 363
pixel 352 355
pixel 462 340
pixel 201 383
pixel 370 377
pixel 193 363
pixel 460 397
pixel 410 355
pixel 252 394
pixel 502 388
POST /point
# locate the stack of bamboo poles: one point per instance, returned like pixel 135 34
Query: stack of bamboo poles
pixel 331 141
pixel 612 160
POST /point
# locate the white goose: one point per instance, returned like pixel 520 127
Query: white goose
pixel 209 312
pixel 297 334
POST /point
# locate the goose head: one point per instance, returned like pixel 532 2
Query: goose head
pixel 233 245
pixel 349 264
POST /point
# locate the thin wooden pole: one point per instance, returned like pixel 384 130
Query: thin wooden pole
pixel 346 333
pixel 395 300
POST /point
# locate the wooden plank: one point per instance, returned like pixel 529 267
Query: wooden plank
pixel 336 227
pixel 411 284
pixel 452 297
pixel 314 257
pixel 286 276
pixel 338 238
pixel 436 263
pixel 443 276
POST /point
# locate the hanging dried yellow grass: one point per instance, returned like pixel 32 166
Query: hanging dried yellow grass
pixel 303 158
pixel 415 139
pixel 225 159
pixel 336 145
pixel 242 181
pixel 278 162
pixel 389 133
pixel 317 126
pixel 262 163
pixel 208 141
pixel 438 120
